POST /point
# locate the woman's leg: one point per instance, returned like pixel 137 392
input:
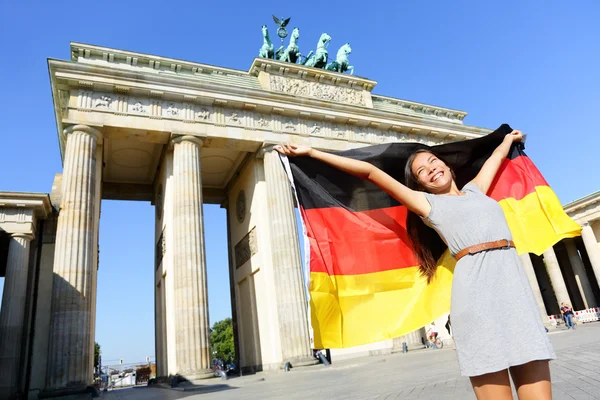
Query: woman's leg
pixel 492 386
pixel 532 380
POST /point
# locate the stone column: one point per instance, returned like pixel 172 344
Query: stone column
pixel 535 287
pixel 12 315
pixel 558 282
pixel 192 340
pixel 591 246
pixel 287 267
pixel 71 337
pixel 583 283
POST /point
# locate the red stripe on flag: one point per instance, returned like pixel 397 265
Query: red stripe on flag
pixel 516 178
pixel 351 243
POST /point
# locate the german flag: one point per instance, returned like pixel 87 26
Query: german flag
pixel 364 281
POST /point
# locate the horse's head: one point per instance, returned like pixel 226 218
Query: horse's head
pixel 296 33
pixel 325 39
pixel 265 30
pixel 346 49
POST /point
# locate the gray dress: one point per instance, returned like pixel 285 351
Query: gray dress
pixel 495 319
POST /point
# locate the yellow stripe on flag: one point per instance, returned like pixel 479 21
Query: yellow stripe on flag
pixel 538 221
pixel 351 310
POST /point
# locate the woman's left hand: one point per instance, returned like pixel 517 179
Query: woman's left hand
pixel 516 136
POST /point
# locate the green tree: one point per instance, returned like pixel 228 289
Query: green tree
pixel 96 353
pixel 221 338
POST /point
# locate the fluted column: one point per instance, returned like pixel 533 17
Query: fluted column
pixel 12 315
pixel 286 263
pixel 71 338
pixel 591 246
pixel 583 283
pixel 556 278
pixel 535 287
pixel 192 338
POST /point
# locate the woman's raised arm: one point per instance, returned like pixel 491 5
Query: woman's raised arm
pixel 488 172
pixel 412 199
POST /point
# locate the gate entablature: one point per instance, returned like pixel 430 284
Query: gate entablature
pixel 166 95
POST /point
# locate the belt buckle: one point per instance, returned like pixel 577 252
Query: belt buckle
pixel 507 244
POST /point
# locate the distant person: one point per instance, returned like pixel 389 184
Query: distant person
pixel 449 329
pixel 449 326
pixel 432 335
pixel 567 313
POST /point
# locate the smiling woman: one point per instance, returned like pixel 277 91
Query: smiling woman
pixel 426 168
pixel 489 285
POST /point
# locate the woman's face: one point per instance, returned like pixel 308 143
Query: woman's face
pixel 433 175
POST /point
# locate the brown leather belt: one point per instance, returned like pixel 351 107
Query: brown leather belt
pixel 478 248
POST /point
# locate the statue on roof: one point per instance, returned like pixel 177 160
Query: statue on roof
pixel 292 51
pixel 341 61
pixel 267 49
pixel 319 59
pixel 281 24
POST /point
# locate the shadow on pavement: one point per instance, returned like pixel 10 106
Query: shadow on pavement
pixel 154 392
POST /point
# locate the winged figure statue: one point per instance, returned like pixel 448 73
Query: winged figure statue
pixel 281 24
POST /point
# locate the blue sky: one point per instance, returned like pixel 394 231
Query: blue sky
pixel 532 64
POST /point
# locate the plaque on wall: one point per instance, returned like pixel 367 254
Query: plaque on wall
pixel 240 206
pixel 246 248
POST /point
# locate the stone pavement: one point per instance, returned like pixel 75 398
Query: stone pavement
pixel 425 374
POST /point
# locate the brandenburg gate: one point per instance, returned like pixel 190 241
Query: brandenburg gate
pixel 181 134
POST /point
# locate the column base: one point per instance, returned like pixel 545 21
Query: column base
pixel 410 347
pixel 300 362
pixel 74 393
pixel 175 380
pixel 199 375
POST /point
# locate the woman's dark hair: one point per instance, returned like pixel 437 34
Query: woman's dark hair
pixel 426 243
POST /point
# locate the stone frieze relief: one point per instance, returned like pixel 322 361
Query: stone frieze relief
pixel 297 87
pixel 191 112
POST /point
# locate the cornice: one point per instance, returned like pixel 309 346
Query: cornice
pixel 117 59
pixel 39 202
pixel 309 73
pixel 421 108
pixel 81 52
pixel 584 202
pixel 96 77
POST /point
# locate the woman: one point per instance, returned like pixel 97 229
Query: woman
pixel 489 285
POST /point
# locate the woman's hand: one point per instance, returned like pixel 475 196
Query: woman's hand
pixel 294 150
pixel 515 136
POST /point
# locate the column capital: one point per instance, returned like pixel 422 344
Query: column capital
pixel 187 138
pixel 22 235
pixel 83 128
pixel 266 148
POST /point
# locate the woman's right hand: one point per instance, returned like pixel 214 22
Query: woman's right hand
pixel 294 150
